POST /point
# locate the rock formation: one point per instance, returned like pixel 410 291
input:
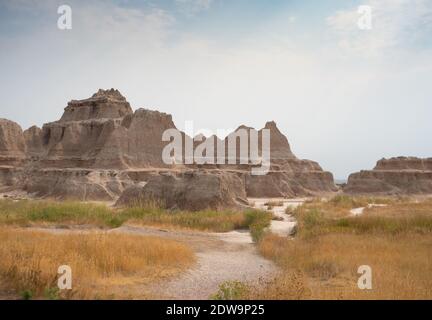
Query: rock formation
pixel 104 104
pixel 395 176
pixel 189 190
pixel 12 144
pixel 100 147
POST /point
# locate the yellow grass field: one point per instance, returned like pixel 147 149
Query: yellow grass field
pixel 322 261
pixel 101 263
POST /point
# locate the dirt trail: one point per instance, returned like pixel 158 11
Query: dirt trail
pixel 286 223
pixel 360 211
pixel 236 258
pixel 220 256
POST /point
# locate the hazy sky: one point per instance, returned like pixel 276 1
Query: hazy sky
pixel 344 97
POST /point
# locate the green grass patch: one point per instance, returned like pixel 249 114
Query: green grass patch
pixel 258 221
pixel 27 212
pixel 37 212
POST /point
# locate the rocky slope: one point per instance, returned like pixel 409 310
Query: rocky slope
pixel 395 176
pixel 100 147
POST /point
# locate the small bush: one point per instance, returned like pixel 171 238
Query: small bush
pixel 52 293
pixel 312 218
pixel 231 290
pixel 258 221
pixel 26 294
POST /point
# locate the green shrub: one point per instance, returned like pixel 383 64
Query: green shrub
pixel 26 294
pixel 28 212
pixel 52 293
pixel 258 221
pixel 231 290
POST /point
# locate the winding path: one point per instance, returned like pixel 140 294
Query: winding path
pixel 359 211
pixel 232 256
pixel 220 256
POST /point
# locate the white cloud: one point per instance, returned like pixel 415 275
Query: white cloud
pixel 192 7
pixel 321 102
pixel 395 23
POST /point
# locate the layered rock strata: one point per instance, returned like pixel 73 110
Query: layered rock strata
pixel 100 147
pixel 394 176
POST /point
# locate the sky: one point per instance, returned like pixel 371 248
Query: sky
pixel 343 96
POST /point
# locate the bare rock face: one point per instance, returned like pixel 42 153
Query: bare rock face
pixel 33 140
pixel 279 146
pixel 395 176
pixel 85 131
pixel 405 163
pixel 104 104
pixel 139 139
pixel 111 137
pixel 76 144
pixel 100 147
pixel 75 184
pixel 288 176
pixel 12 144
pixel 190 190
pixel 289 184
pixel 12 154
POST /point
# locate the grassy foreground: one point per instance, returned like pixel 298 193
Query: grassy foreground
pixel 104 264
pixel 100 262
pixel 37 213
pixel 322 261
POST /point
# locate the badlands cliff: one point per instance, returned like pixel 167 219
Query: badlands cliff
pixel 101 149
pixel 395 176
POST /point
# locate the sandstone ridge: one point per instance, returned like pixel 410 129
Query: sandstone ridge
pixel 394 176
pixel 101 148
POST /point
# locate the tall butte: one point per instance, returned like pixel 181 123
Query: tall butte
pixel 100 147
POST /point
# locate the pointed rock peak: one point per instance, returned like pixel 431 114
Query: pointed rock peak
pixel 271 125
pixel 33 129
pixel 280 148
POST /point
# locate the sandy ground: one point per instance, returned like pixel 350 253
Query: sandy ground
pixel 285 224
pixel 220 256
pixel 360 211
pixel 234 258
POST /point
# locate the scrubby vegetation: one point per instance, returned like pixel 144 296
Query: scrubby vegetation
pixel 271 204
pixel 32 212
pixel 397 217
pixel 257 221
pixel 231 290
pixel 100 262
pixel 209 220
pixel 322 261
pixel 28 212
